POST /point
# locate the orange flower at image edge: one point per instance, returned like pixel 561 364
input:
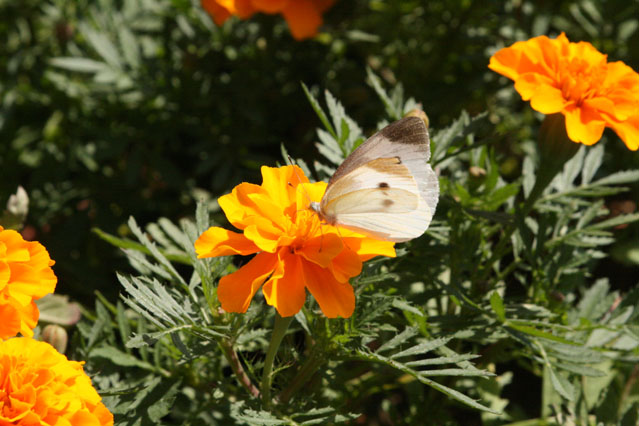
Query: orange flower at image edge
pixel 574 79
pixel 294 250
pixel 304 17
pixel 25 276
pixel 40 386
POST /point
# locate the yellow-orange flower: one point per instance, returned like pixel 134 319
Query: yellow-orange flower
pixel 40 386
pixel 294 250
pixel 304 17
pixel 576 80
pixel 25 276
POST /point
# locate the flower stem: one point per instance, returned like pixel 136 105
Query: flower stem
pixel 279 330
pixel 237 368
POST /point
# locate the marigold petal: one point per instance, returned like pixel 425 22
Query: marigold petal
pixel 527 84
pixel 217 241
pixel 368 248
pixel 308 192
pixel 238 205
pixel 41 386
pixel 269 6
pixel 5 274
pixel 264 235
pixel 272 210
pixel 505 62
pixel 285 289
pixel 280 184
pixel 322 250
pixel 29 315
pixel 547 100
pixel 628 131
pixel 28 283
pixel 336 299
pixel 303 18
pixel 244 8
pixel 346 265
pixel 10 324
pixel 583 126
pixel 219 13
pixel 236 290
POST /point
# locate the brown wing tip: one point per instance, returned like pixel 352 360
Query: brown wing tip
pixel 408 130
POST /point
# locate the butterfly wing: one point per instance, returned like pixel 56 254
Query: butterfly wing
pixel 385 188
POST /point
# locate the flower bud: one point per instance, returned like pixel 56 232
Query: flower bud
pixel 419 114
pixel 56 336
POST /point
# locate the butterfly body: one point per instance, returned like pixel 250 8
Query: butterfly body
pixel 385 189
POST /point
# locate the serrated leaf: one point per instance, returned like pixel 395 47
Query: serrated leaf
pixel 458 396
pixel 627 176
pixel 149 339
pixel 442 360
pixel 376 84
pixel 560 384
pixel 402 337
pixel 120 358
pixel 319 111
pixel 592 163
pixel 154 250
pixel 201 216
pixel 590 306
pixel 621 219
pixel 579 369
pixel 422 348
pixel 404 305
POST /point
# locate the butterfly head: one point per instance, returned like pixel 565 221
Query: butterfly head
pixel 317 208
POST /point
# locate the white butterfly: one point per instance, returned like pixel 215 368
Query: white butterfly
pixel 385 189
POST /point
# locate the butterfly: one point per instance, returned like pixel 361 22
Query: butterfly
pixel 385 189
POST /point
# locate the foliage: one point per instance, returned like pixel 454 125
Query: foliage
pixel 432 328
pixel 111 109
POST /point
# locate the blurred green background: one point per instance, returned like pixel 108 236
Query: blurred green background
pixel 113 108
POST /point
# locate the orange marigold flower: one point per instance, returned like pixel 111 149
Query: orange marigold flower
pixel 576 80
pixel 25 276
pixel 304 17
pixel 294 250
pixel 40 386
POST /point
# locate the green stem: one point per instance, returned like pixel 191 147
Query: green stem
pixel 279 330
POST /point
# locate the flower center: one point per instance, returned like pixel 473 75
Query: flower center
pixel 580 80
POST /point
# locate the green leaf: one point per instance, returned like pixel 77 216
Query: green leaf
pixel 579 369
pixel 628 176
pixel 497 303
pixel 120 358
pixel 422 348
pixel 402 337
pixel 392 109
pixel 57 309
pixel 319 111
pixel 560 384
pixel 105 48
pixel 84 65
pixel 592 163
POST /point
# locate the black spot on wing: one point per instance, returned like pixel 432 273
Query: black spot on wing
pixel 383 185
